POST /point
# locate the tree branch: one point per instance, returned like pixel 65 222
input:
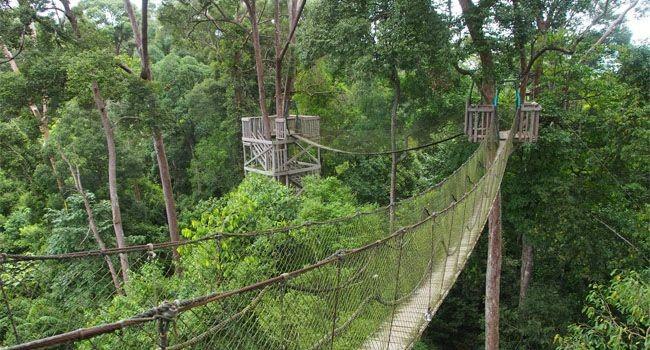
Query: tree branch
pixel 619 235
pixel 612 27
pixel 541 52
pixel 462 70
pixel 124 67
pixel 294 25
pixel 11 57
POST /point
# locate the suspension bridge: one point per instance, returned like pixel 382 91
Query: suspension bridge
pixel 372 280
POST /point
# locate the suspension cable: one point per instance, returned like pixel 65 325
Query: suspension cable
pixel 337 150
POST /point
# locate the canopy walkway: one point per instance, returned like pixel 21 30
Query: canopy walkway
pixel 363 281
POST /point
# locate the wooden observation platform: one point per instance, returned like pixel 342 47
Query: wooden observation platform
pixel 283 157
pixel 479 120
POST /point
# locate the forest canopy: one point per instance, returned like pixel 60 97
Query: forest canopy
pixel 121 125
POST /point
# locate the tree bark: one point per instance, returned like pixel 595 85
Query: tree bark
pixel 393 146
pixel 612 27
pixel 519 36
pixel 493 277
pixel 112 178
pixel 259 66
pixel 142 44
pixel 92 224
pixel 10 58
pixel 144 37
pixel 279 104
pixel 165 179
pixel 474 21
pixel 71 17
pixel 542 27
pixel 135 27
pixel 526 272
pixel 294 6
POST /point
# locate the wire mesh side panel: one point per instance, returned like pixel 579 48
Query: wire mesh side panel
pixel 335 304
pixel 360 297
pixel 228 323
pixel 441 196
pixel 48 297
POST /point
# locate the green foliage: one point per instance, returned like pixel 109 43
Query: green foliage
pixel 13 94
pixel 95 66
pixel 635 68
pixel 78 136
pixel 70 226
pixel 45 75
pixel 178 75
pixel 257 203
pixel 372 36
pixel 22 152
pixel 19 233
pixel 618 315
pixel 325 198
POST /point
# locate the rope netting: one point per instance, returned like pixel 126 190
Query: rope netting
pixel 344 283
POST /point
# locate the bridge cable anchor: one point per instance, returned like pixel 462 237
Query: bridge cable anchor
pixel 165 314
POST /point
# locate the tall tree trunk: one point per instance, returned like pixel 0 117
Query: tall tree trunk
pixel 42 121
pixel 71 17
pixel 493 277
pixel 144 49
pixel 542 27
pixel 293 6
pixel 112 178
pixel 493 266
pixel 12 62
pixel 142 44
pixel 493 272
pixel 474 19
pixel 259 66
pixel 238 98
pixel 92 224
pixel 165 179
pixel 393 146
pixel 135 27
pixel 527 250
pixel 526 272
pixel 288 86
pixel 279 104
